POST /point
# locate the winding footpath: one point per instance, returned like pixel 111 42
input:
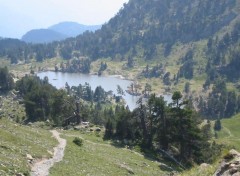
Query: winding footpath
pixel 42 167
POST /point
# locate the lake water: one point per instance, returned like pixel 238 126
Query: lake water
pixel 59 79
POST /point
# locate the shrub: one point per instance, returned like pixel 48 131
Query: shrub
pixel 78 141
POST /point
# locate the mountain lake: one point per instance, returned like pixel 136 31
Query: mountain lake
pixel 108 83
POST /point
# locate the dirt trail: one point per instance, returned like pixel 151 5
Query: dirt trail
pixel 42 167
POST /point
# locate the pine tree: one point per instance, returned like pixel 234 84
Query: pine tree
pixel 217 125
pixel 109 130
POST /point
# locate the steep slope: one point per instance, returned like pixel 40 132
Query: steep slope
pixel 42 36
pixel 146 24
pixel 72 29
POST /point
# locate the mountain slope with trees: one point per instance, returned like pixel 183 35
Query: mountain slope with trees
pixel 194 42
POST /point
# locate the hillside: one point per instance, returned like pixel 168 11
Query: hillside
pixel 230 134
pixel 175 35
pixel 72 29
pixel 42 36
pixel 141 27
pixel 19 145
pixel 57 32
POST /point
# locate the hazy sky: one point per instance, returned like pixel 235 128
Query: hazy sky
pixel 19 16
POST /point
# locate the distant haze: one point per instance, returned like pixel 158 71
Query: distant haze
pixel 18 17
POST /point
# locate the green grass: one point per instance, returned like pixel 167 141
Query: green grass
pixel 19 70
pixel 201 171
pixel 17 141
pixel 98 157
pixel 12 108
pixel 229 136
pixel 230 133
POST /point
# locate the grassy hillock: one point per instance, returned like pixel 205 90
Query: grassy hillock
pixel 17 141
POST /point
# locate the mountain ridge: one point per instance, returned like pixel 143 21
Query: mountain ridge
pixel 72 29
pixel 57 32
pixel 42 36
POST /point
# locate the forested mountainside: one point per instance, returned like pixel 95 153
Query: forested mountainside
pixel 147 24
pixel 183 40
pixel 143 25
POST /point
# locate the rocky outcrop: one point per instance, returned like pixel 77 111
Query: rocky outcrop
pixel 230 166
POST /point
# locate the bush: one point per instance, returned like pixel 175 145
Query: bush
pixel 78 141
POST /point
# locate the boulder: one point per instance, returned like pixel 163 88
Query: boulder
pixel 230 165
pixel 29 157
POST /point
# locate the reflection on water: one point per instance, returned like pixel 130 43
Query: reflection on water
pixel 58 79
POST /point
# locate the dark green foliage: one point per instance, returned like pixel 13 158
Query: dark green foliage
pixel 76 66
pixel 120 91
pixel 43 101
pixel 187 70
pixel 17 50
pixel 217 125
pixel 99 94
pixel 206 129
pixel 78 141
pixel 220 102
pixel 103 67
pixel 66 51
pixel 6 80
pixel 124 122
pixel 223 55
pixel 108 130
pixel 157 125
pixel 147 89
pixel 156 71
pixel 231 105
pixel 210 152
pixel 86 93
pixel 207 83
pixel 166 78
pixel 130 62
pixel 177 96
pixel 187 87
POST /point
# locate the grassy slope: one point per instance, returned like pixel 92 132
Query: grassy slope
pixel 20 70
pixel 16 141
pixel 230 136
pixel 98 157
pixel 230 133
